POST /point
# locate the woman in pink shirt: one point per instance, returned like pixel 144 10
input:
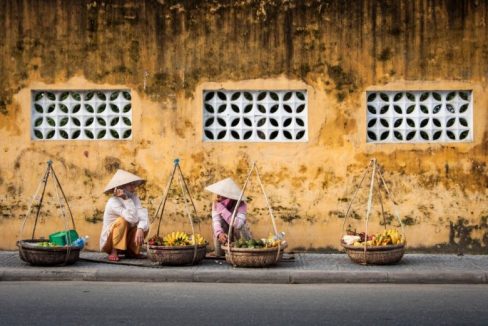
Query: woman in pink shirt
pixel 228 194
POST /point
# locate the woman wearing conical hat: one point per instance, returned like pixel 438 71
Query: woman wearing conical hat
pixel 125 221
pixel 228 193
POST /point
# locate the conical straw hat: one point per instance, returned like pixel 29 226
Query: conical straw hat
pixel 226 188
pixel 121 178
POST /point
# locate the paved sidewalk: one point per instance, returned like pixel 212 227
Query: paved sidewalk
pixel 300 268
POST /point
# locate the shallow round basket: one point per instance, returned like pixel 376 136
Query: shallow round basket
pixel 380 255
pixel 249 257
pixel 176 255
pixel 31 253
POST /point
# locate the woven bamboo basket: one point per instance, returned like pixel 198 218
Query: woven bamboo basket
pixel 47 256
pixel 380 255
pixel 176 255
pixel 249 257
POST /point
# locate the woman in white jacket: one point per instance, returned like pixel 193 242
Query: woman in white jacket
pixel 125 221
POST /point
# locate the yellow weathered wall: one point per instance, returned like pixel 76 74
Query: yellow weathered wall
pixel 168 52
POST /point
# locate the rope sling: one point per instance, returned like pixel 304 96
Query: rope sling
pixel 187 202
pixel 234 213
pixel 37 201
pixel 376 175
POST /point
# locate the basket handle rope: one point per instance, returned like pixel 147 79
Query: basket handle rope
pixel 186 197
pixel 63 214
pixel 267 203
pixel 64 197
pixel 234 212
pixel 273 222
pixel 184 189
pixel 39 205
pixel 368 209
pixel 35 199
pixel 375 174
pixel 394 202
pixel 159 211
pixel 58 189
pixel 354 195
pixel 380 197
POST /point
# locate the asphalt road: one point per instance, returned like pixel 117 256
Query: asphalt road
pixel 98 303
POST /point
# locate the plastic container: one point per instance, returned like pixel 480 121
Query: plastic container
pixel 64 238
pixel 80 242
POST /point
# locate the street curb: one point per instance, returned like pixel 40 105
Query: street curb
pixel 438 277
pixel 316 277
pixel 43 275
pixel 145 275
pixel 266 276
pixel 244 276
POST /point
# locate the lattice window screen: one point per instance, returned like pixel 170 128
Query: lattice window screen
pixel 81 115
pixel 255 116
pixel 419 116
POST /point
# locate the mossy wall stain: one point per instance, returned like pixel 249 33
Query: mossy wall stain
pixel 168 52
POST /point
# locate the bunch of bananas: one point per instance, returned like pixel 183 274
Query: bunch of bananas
pixel 177 238
pixel 385 238
pixel 199 239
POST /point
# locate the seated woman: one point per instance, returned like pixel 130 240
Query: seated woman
pixel 125 222
pixel 228 194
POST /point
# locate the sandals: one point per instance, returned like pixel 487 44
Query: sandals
pixel 114 258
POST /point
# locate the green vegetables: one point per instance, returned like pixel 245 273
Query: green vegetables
pixel 46 244
pixel 241 243
pixel 270 242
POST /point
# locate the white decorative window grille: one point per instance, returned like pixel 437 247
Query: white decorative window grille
pixel 84 115
pixel 260 116
pixel 419 116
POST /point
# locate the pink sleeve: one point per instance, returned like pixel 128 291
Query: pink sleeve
pixel 240 219
pixel 217 227
pixel 220 212
pixel 242 208
pixel 224 212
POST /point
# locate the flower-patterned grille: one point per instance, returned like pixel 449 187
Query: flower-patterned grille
pixel 258 116
pixel 419 116
pixel 84 115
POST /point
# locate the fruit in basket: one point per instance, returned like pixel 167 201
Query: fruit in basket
pixel 176 239
pixel 385 238
pixel 241 243
pixel 255 244
pixel 155 241
pixel 273 241
pixel 350 239
pixel 269 242
pixel 199 239
pixel 251 243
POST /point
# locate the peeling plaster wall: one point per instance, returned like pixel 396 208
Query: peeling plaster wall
pixel 168 52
